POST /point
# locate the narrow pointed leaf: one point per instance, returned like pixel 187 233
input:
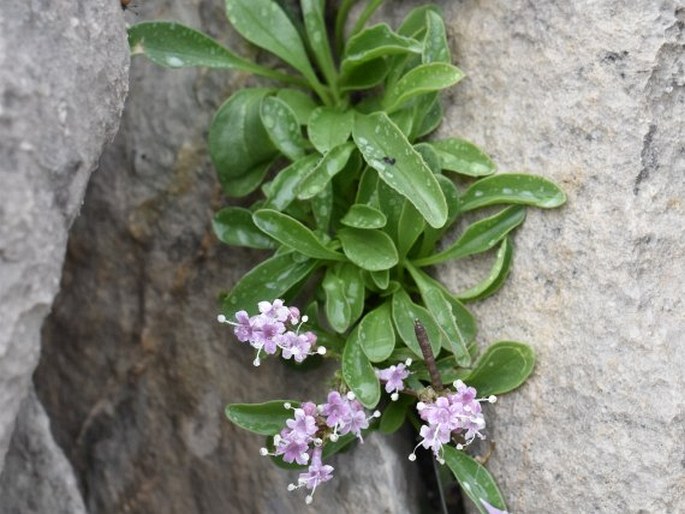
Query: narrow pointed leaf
pixel 422 79
pixel 480 236
pixel 263 23
pixel 246 183
pixel 328 128
pixel 409 227
pixel 404 313
pixel 475 480
pixel 517 188
pixel 496 277
pixel 463 157
pixel 503 367
pixel 429 118
pixel 322 208
pixel 261 418
pixel 414 23
pixel 293 234
pixel 365 75
pixel 359 374
pixel 371 250
pixel 234 226
pixel 364 216
pixel 380 278
pixel 174 45
pixel 282 126
pixel 387 150
pixel 313 12
pixel 377 334
pixel 268 280
pixel 330 165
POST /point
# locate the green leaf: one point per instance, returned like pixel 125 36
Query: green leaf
pixel 322 208
pixel 336 307
pixel 429 156
pixel 353 289
pixel 328 127
pixel 422 79
pixel 427 118
pixel 463 157
pixel 367 192
pixel 374 42
pixel 282 190
pixel 480 236
pixel 371 250
pixel 365 75
pixel 439 305
pixel 364 216
pixel 387 150
pixel 261 418
pixel 263 23
pixel 475 480
pixel 245 184
pixel 496 277
pixel 409 228
pixel 293 234
pixel 404 313
pixel 435 47
pixel 282 127
pixel 503 367
pixel 268 280
pixel 300 103
pixel 359 374
pixel 238 142
pixel 395 413
pixel 330 165
pixel 175 46
pixel 414 23
pixel 376 333
pixel 234 226
pixel 381 278
pixel 313 12
pixel 517 188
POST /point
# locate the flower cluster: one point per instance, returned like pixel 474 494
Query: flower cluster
pixel 394 378
pixel 455 413
pixel 268 331
pixel 302 439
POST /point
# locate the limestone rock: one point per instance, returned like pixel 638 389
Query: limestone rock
pixel 37 478
pixel 63 76
pixel 592 96
pixel 136 371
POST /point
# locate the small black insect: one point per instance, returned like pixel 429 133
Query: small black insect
pixel 389 160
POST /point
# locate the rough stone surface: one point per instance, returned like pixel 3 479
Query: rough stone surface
pixel 37 478
pixel 136 371
pixel 63 71
pixel 592 95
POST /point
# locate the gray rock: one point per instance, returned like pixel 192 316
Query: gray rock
pixel 37 478
pixel 63 73
pixel 592 96
pixel 136 371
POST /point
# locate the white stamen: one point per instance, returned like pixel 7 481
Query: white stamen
pixel 263 452
pixel 460 446
pixel 304 318
pixel 308 499
pixel 321 350
pixel 318 442
pixel 334 437
pixel 492 398
pixel 291 487
pixel 256 362
pixel 394 397
pixel 408 362
pixel 350 395
pixel 221 318
pixel 412 457
pixel 287 405
pixel 376 414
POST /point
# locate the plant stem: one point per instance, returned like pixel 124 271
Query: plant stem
pixel 428 357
